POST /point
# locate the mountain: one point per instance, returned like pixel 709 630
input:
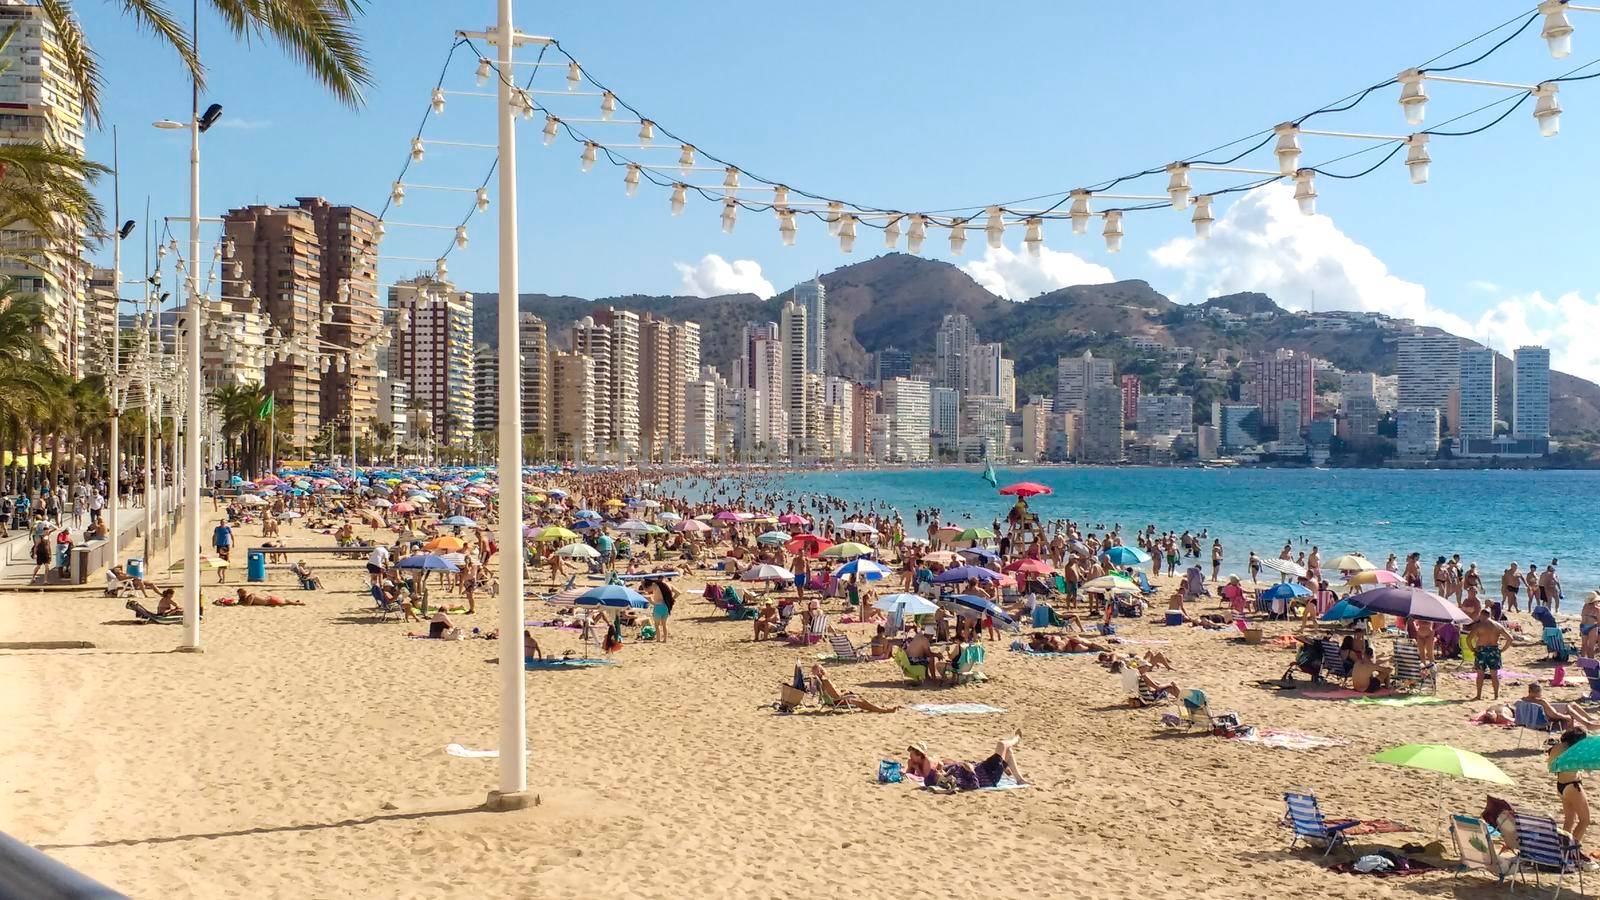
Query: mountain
pixel 899 300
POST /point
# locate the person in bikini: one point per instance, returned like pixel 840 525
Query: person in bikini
pixel 956 775
pixel 1569 786
pixel 826 689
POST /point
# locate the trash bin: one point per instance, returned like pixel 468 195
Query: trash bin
pixel 256 566
pixel 135 567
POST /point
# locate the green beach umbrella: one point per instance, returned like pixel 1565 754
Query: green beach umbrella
pixel 555 533
pixel 1445 760
pixel 775 538
pixel 1110 583
pixel 847 550
pixel 1583 756
pixel 975 534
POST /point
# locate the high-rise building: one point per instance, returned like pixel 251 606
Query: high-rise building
pixel 347 252
pixel 1478 408
pixel 1530 394
pixel 838 420
pixel 952 352
pixel 1271 378
pixel 1428 367
pixel 234 349
pixel 685 368
pixel 572 405
pixel 891 363
pixel 906 413
pixel 984 432
pixel 1130 398
pixel 1361 417
pixel 1417 432
pixel 40 103
pixel 944 418
pixel 1238 426
pixel 795 333
pixel 764 428
pixel 100 315
pixel 534 346
pixel 991 374
pixel 593 340
pixel 701 400
pixel 813 298
pixel 657 384
pixel 1075 375
pixel 1290 437
pixel 621 398
pixel 864 423
pixel 433 355
pixel 1036 430
pixel 1364 384
pixel 1163 414
pixel 486 388
pixel 1101 441
pixel 394 395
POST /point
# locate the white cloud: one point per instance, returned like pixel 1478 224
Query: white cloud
pixel 1487 287
pixel 1020 276
pixel 714 276
pixel 244 124
pixel 1263 243
pixel 1565 324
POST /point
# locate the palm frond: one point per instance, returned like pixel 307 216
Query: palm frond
pixel 79 57
pixel 318 33
pixel 158 20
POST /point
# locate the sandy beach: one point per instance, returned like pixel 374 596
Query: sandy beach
pixel 303 755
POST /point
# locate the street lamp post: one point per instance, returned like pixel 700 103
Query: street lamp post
pixel 114 472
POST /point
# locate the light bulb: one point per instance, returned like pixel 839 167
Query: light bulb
pixel 461 236
pixel 523 102
pixel 891 234
pixel 1288 149
pixel 1033 238
pixel 608 105
pixel 441 271
pixel 647 131
pixel 1413 96
pixel 1079 212
pixel 679 193
pixel 161 251
pixel 397 194
pixel 730 180
pixel 1178 187
pixel 630 181
pixel 685 159
pixel 995 230
pixel 958 236
pixel 780 199
pixel 483 199
pixel 918 233
pixel 180 265
pixel 1113 230
pixel 173 245
pixel 589 150
pixel 238 270
pixel 847 233
pixel 1305 191
pixel 1547 109
pixel 482 76
pixel 437 101
pixel 1417 159
pixel 416 150
pixel 834 217
pixel 1557 31
pixel 574 76
pixel 786 229
pixel 551 125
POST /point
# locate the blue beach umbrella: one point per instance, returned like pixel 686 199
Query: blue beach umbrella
pixel 461 521
pixel 612 595
pixel 863 568
pixel 429 562
pixel 1285 590
pixel 1344 609
pixel 586 514
pixel 981 555
pixel 1127 556
pixel 972 605
pixel 907 604
pixel 965 573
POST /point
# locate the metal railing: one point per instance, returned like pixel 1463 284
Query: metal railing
pixel 27 874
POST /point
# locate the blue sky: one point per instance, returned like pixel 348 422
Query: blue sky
pixel 933 105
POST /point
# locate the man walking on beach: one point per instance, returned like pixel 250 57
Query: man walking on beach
pixel 1550 587
pixel 1510 583
pixel 1489 642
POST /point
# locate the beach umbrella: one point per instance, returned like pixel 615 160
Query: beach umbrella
pixel 1026 489
pixel 908 604
pixel 975 534
pixel 457 558
pixel 578 551
pixel 966 573
pixel 636 526
pixel 556 492
pixel 691 526
pixel 428 562
pixel 471 503
pixel 586 514
pixel 555 533
pixel 980 555
pixel 727 515
pixel 1285 591
pixel 767 572
pixel 612 502
pixel 810 545
pixel 459 521
pixel 1078 547
pixel 1413 603
pixel 847 550
pixel 445 542
pixel 1127 556
pixel 402 508
pixel 941 557
pixel 1584 756
pixel 971 606
pixel 773 538
pixel 613 595
pixel 1344 609
pixel 1285 566
pixel 669 517
pixel 791 519
pixel 863 568
pixel 1350 562
pixel 1376 576
pixel 252 500
pixel 1110 583
pixel 1445 760
pixel 1030 566
pixel 381 503
pixel 858 528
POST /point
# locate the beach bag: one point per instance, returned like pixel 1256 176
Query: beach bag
pixel 889 772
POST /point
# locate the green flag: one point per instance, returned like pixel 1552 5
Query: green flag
pixel 988 474
pixel 267 406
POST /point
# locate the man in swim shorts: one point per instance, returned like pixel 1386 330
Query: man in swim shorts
pixel 1489 641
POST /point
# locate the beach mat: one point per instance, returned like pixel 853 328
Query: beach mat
pixel 956 709
pixel 1007 783
pixel 534 665
pixel 464 753
pixel 1409 700
pixel 1505 675
pixel 1288 739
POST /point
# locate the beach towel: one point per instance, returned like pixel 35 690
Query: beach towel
pixel 1365 866
pixel 533 665
pixel 1505 675
pixel 1288 739
pixel 1006 783
pixel 956 709
pixel 1412 700
pixel 464 753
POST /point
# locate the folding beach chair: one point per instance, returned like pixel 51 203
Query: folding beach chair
pixel 1555 640
pixel 1306 820
pixel 843 650
pixel 1591 671
pixel 1409 672
pixel 1196 706
pixel 814 634
pixel 969 665
pixel 382 607
pixel 1543 847
pixel 916 673
pixel 1334 665
pixel 1145 587
pixel 1530 716
pixel 1477 850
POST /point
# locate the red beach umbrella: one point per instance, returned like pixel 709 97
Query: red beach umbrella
pixel 1026 489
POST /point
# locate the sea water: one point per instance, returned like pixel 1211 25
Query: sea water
pixel 1489 517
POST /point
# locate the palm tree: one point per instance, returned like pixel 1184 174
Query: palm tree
pixel 317 33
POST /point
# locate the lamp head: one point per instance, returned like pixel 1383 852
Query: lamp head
pixel 210 117
pixel 126 229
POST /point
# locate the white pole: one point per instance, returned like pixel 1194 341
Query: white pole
pixel 114 473
pixel 513 689
pixel 192 421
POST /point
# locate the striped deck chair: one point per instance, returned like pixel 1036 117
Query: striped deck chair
pixel 381 607
pixel 1305 818
pixel 1477 850
pixel 1409 672
pixel 1544 848
pixel 814 634
pixel 1334 665
pixel 843 650
pixel 1530 716
pixel 1555 640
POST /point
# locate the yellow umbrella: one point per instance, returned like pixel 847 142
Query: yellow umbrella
pixel 555 533
pixel 612 502
pixel 847 550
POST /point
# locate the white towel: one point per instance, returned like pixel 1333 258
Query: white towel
pixel 458 750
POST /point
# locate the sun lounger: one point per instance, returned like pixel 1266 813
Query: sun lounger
pixel 1409 672
pixel 812 635
pixel 1544 848
pixel 1477 849
pixel 916 673
pixel 1530 716
pixel 1305 818
pixel 148 617
pixel 1334 665
pixel 1145 587
pixel 1137 693
pixel 843 650
pixel 1591 671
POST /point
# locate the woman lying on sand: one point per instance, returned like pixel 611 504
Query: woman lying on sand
pixel 951 775
pixel 1063 643
pixel 245 598
pixel 827 690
